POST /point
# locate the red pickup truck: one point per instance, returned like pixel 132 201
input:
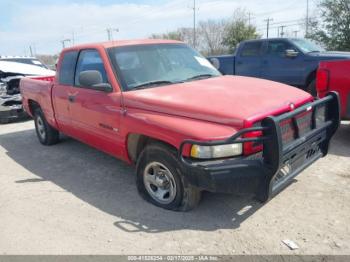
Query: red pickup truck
pixel 163 107
pixel 335 76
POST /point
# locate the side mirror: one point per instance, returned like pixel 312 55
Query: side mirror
pixel 93 79
pixel 106 87
pixel 291 53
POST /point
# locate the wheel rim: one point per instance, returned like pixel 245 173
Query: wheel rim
pixel 41 127
pixel 159 183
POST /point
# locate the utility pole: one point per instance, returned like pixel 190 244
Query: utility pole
pixel 282 30
pixel 31 51
pixel 63 42
pixel 34 49
pixel 307 19
pixel 295 33
pixel 73 37
pixel 110 33
pixel 249 18
pixel 268 26
pixel 194 23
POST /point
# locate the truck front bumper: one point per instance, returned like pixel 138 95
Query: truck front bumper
pixel 267 173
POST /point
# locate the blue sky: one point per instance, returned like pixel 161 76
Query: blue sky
pixel 43 24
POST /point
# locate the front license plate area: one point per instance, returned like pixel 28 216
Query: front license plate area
pixel 292 167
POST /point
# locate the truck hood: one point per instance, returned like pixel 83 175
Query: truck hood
pixel 332 55
pixel 228 100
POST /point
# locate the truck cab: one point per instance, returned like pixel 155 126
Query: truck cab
pixel 292 61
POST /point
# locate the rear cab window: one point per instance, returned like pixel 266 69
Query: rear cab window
pixel 66 72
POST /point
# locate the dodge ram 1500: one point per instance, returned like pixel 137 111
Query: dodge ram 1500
pixel 160 105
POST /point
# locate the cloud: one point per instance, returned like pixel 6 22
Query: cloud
pixel 46 25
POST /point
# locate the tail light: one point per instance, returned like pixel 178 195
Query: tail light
pixel 322 81
pixel 44 78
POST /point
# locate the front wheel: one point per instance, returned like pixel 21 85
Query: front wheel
pixel 47 135
pixel 160 179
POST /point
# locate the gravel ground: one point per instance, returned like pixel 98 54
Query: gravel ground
pixel 73 199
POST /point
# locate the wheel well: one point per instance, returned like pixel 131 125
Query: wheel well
pixel 137 142
pixel 32 106
pixel 310 78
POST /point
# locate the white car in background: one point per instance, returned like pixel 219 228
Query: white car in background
pixel 11 72
pixel 23 60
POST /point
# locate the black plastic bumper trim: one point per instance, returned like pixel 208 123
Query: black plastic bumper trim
pixel 264 176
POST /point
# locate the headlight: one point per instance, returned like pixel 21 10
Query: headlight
pixel 210 152
pixel 320 115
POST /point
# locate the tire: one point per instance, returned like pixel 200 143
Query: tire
pixel 311 88
pixel 47 135
pixel 169 180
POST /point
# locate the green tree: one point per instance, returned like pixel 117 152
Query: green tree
pixel 333 27
pixel 239 29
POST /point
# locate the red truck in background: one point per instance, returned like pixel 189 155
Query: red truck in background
pixel 160 105
pixel 335 76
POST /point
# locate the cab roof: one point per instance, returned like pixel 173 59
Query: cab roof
pixel 119 43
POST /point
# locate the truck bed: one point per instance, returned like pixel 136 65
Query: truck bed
pixel 37 89
pixel 335 76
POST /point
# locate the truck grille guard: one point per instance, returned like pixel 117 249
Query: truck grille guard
pixel 276 155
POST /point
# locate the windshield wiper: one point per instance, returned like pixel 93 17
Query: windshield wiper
pixel 314 51
pixel 202 76
pixel 152 83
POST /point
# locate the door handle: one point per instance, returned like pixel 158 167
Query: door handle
pixel 239 63
pixel 71 99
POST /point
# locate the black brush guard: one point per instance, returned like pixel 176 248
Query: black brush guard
pixel 266 174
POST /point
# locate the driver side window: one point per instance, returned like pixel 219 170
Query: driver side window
pixel 90 60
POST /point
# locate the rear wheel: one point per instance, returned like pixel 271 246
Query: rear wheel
pixel 160 179
pixel 47 135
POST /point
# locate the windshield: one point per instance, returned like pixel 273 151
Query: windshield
pixel 145 66
pixel 307 46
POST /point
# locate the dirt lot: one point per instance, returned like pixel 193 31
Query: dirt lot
pixel 72 199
